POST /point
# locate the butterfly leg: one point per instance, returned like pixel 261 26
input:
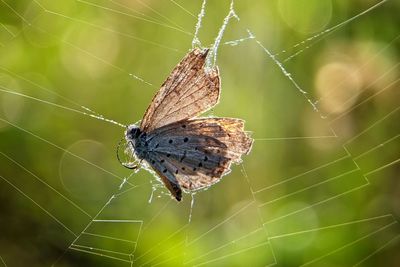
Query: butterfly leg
pixel 130 165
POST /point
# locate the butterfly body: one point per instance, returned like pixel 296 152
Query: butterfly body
pixel 187 152
pixel 137 140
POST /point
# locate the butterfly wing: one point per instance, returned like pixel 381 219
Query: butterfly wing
pixel 189 91
pixel 198 152
pixel 166 173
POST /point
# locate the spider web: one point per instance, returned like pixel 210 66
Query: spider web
pixel 66 201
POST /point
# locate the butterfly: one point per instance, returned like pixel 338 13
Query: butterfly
pixel 188 153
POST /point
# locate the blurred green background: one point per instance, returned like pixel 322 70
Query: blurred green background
pixel 320 187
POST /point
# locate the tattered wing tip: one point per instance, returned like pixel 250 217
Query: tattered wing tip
pixel 249 140
pixel 202 51
pixel 214 78
pixel 250 143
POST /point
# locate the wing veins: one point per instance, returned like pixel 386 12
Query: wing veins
pixel 172 105
pixel 169 115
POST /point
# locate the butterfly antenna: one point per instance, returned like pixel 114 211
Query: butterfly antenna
pixel 126 165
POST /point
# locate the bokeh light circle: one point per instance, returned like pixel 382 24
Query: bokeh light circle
pixel 306 16
pixel 338 84
pixel 81 178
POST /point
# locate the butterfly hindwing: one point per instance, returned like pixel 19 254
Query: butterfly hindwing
pixel 189 90
pixel 198 152
pixel 166 173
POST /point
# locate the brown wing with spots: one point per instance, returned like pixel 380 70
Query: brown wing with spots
pixel 166 173
pixel 188 91
pixel 199 152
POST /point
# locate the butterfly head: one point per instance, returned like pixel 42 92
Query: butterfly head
pixel 132 132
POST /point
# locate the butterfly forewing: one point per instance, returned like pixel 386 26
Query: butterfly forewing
pixel 189 90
